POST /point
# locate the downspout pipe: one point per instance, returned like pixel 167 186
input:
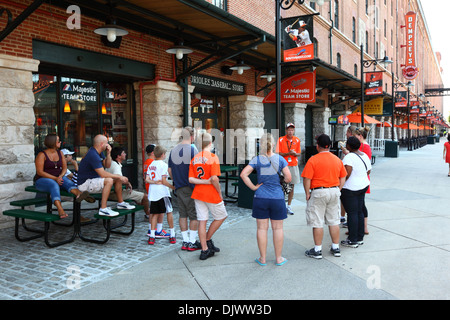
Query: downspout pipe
pixel 330 35
pixel 141 103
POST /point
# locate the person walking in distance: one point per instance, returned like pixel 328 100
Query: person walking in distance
pixel 204 172
pixel 447 153
pixel 288 147
pixel 323 178
pixel 179 161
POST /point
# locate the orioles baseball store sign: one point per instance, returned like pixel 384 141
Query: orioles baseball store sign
pixel 410 69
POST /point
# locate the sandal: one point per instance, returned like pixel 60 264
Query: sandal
pixel 82 196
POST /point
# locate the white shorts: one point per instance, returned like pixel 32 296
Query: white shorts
pixel 95 185
pixel 217 210
pixel 295 174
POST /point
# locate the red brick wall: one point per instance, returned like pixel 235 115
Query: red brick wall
pixel 48 23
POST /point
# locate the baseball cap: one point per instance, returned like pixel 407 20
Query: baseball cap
pixel 66 152
pixel 290 124
pixel 150 148
pixel 302 23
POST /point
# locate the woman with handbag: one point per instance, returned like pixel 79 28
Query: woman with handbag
pixel 268 203
pixel 354 190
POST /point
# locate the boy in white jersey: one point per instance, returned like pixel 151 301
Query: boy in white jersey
pixel 159 193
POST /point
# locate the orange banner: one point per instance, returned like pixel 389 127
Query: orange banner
pixel 305 52
pixel 298 88
pixel 410 69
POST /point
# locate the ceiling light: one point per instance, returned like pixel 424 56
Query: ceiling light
pixel 111 31
pixel 240 66
pixel 179 50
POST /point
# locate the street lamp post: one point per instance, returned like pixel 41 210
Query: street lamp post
pixel 366 64
pixel 409 85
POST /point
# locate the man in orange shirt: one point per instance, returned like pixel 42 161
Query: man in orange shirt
pixel 323 178
pixel 204 172
pixel 288 147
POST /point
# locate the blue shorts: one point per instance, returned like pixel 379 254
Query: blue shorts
pixel 274 209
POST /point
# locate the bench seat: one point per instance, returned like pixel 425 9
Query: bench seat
pixel 37 216
pixel 28 202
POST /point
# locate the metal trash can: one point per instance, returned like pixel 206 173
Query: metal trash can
pixel 437 138
pixel 245 195
pixel 391 149
pixel 430 140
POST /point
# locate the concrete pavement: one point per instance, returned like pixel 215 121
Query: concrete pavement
pixel 405 256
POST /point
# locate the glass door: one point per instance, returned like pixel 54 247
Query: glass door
pixel 79 105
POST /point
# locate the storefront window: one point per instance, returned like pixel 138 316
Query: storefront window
pixel 77 110
pixel 79 103
pixel 44 89
pixel 116 115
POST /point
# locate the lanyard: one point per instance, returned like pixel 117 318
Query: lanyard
pixel 289 146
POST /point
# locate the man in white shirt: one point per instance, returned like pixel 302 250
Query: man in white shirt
pixel 119 155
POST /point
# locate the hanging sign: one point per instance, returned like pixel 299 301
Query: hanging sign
pixel 400 99
pixel 297 38
pixel 410 69
pixel 372 107
pixel 374 83
pixel 298 88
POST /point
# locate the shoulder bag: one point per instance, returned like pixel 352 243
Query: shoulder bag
pixel 285 186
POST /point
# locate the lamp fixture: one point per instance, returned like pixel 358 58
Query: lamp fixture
pixel 270 75
pixel 385 61
pixel 240 66
pixel 409 84
pixel 179 50
pixel 111 30
pixel 104 109
pixel 67 107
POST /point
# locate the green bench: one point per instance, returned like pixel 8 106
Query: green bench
pixel 28 202
pixel 22 214
pixel 111 229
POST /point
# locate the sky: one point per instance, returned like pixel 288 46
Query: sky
pixel 436 15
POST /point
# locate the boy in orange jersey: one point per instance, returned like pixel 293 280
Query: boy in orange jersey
pixel 204 172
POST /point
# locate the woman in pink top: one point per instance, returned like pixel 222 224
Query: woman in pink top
pixel 447 153
pixel 361 134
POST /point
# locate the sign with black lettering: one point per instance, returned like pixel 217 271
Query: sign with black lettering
pixel 201 81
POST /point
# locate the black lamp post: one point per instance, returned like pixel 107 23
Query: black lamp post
pixel 285 5
pixel 366 64
pixel 394 86
pixel 409 85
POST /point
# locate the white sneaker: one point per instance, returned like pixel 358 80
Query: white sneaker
pixel 107 212
pixel 289 210
pixel 125 205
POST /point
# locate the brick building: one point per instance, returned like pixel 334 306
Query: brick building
pixel 58 75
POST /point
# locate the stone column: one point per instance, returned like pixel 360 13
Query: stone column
pixel 320 121
pixel 163 115
pixel 16 130
pixel 246 123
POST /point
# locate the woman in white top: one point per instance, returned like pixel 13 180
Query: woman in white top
pixel 358 167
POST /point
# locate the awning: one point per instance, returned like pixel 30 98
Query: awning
pixel 201 25
pixel 356 118
pixel 384 124
pixel 412 126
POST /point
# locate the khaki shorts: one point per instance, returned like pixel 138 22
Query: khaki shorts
pixel 323 206
pixel 95 185
pixel 186 205
pixel 136 196
pixel 295 173
pixel 217 210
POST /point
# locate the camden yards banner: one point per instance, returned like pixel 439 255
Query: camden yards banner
pixel 297 38
pixel 410 69
pixel 298 88
pixel 374 83
pixel 401 100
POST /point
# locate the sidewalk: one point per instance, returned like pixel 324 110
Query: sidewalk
pixel 405 256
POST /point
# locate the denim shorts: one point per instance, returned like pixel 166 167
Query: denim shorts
pixel 274 209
